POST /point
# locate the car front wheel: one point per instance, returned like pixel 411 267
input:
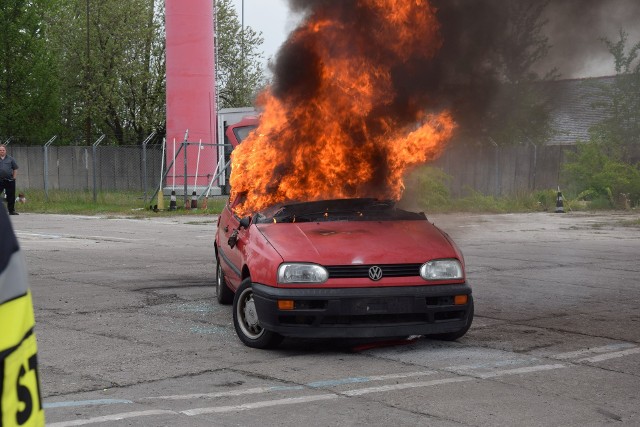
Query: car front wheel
pixel 246 322
pixel 223 293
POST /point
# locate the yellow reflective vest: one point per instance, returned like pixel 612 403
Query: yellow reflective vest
pixel 20 398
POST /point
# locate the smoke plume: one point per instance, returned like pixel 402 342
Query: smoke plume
pixel 485 43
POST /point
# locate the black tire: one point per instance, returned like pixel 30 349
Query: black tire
pixel 246 322
pixel 452 336
pixel 224 295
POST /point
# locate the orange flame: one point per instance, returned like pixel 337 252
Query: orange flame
pixel 338 135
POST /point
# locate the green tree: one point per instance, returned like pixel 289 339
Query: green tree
pixel 492 50
pixel 240 73
pixel 619 133
pixel 607 165
pixel 521 112
pixel 28 88
pixel 112 68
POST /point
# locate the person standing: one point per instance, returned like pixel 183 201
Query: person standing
pixel 8 173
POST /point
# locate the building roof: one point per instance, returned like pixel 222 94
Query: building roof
pixel 572 108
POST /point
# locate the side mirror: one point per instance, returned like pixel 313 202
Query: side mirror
pixel 233 239
pixel 245 222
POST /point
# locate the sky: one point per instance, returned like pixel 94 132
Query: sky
pixel 271 18
pixel 576 48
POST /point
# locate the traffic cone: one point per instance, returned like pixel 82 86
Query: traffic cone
pixel 559 202
pixel 172 202
pixel 194 201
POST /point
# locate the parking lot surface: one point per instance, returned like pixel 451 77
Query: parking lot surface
pixel 130 333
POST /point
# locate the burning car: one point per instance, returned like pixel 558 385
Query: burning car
pixel 351 110
pixel 357 268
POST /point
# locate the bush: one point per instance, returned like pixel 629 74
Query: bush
pixel 595 174
pixel 546 200
pixel 430 188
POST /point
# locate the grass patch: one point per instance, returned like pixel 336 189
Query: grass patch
pixel 430 196
pixel 115 203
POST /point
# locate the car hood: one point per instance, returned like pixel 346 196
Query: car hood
pixel 361 242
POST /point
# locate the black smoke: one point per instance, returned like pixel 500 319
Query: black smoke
pixel 487 45
pixel 576 29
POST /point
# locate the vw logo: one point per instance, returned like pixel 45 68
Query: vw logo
pixel 375 273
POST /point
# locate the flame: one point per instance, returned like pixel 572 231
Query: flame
pixel 342 128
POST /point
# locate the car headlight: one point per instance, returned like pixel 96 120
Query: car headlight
pixel 441 269
pixel 302 273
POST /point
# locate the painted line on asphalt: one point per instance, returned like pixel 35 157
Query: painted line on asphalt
pixel 42 235
pixel 518 371
pixel 316 398
pixel 114 417
pixel 315 384
pixel 608 356
pixel 255 390
pixel 468 376
pixel 603 353
pixel 592 350
pixel 464 369
pixel 393 387
pixel 363 391
pixel 75 237
pixel 302 399
pixel 257 405
pixel 105 238
pixel 352 380
pixel 95 402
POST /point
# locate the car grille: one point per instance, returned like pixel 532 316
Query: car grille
pixel 357 271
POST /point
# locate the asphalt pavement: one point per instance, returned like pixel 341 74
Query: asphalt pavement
pixel 130 333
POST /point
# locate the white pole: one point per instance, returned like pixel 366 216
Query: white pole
pixel 215 175
pixel 174 165
pixel 195 182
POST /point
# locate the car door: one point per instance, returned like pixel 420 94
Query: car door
pixel 230 255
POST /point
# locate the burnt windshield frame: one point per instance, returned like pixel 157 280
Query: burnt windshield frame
pixel 365 209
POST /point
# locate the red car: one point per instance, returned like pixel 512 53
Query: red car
pixel 356 268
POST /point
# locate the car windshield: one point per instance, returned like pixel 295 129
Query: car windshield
pixel 242 132
pixel 337 210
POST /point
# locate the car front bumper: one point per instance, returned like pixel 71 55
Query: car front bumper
pixel 363 312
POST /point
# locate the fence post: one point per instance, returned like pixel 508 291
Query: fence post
pixel 497 160
pixel 535 165
pixel 95 167
pixel 46 166
pixel 144 164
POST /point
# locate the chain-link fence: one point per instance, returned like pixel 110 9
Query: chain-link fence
pixel 94 168
pixel 489 170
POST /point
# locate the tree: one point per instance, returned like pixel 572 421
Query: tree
pixel 239 71
pixel 487 66
pixel 28 87
pixel 619 133
pixel 112 68
pixel 607 165
pixel 521 113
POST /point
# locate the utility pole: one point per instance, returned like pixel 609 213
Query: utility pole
pixel 88 83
